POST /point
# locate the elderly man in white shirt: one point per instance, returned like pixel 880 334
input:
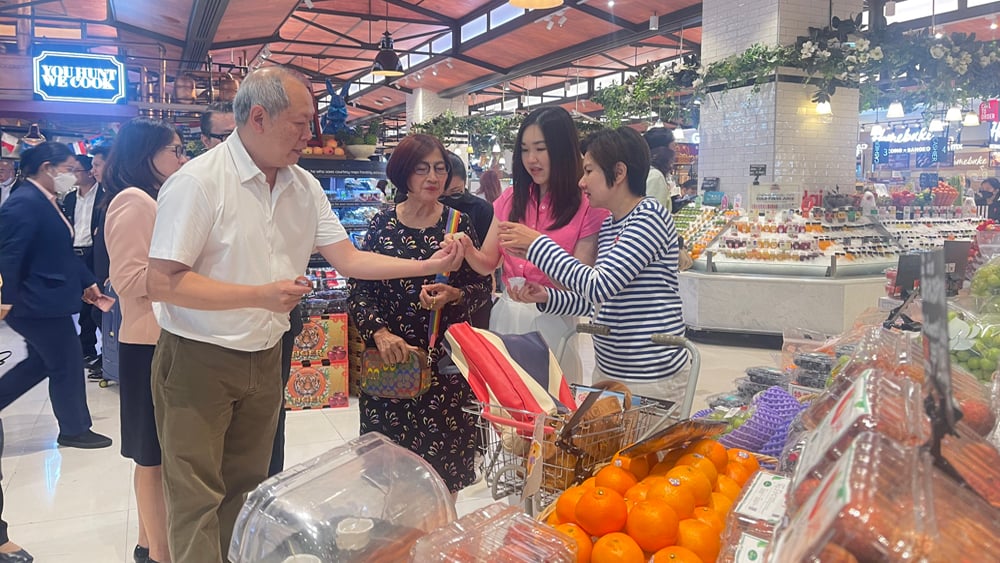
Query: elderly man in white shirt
pixel 234 228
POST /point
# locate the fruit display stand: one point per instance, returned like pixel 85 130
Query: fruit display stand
pixel 789 271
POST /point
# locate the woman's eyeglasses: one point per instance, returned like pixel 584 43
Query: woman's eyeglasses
pixel 423 169
pixel 179 150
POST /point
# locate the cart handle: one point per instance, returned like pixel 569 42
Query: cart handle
pixel 525 426
pixel 593 328
pixel 677 341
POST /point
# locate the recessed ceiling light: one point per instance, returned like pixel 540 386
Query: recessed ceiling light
pixel 993 25
pixel 611 3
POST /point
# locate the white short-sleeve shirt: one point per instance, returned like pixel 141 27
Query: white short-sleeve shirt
pixel 218 216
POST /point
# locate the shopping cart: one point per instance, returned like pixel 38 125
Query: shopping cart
pixel 569 451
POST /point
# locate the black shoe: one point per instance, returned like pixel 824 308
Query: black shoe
pixel 94 376
pixel 19 556
pixel 89 440
pixel 93 362
pixel 140 554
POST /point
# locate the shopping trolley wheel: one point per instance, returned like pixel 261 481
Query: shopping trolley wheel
pixel 105 383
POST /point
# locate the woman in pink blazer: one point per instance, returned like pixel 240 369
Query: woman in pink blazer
pixel 144 155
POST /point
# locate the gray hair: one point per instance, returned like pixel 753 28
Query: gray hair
pixel 264 87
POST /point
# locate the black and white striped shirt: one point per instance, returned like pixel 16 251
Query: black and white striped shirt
pixel 634 286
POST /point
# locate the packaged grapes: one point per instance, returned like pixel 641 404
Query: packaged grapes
pixel 874 504
pixel 754 517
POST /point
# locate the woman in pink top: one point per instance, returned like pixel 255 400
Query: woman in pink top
pixel 544 196
pixel 145 154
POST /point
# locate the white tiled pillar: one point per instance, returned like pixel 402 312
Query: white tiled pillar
pixel 423 105
pixel 777 126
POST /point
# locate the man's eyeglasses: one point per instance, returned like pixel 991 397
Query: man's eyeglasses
pixel 179 150
pixel 220 136
pixel 423 169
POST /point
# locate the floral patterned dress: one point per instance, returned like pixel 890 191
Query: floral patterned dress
pixel 432 425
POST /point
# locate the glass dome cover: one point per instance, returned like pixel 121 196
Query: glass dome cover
pixel 368 500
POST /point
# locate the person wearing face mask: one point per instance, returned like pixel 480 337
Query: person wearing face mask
pixel 43 284
pixel 7 177
pixel 989 189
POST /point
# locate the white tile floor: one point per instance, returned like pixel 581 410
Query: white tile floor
pixel 69 505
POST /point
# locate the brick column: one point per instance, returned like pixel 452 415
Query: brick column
pixel 778 126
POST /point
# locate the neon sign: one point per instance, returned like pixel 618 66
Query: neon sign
pixel 78 77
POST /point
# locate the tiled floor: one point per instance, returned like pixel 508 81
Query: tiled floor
pixel 69 505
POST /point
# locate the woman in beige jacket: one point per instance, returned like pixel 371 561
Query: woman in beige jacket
pixel 144 155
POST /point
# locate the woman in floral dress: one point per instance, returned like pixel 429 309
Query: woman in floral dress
pixel 394 315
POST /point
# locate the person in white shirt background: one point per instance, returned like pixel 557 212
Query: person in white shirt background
pixel 81 208
pixel 7 174
pixel 660 180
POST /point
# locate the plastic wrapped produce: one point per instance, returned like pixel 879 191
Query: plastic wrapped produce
pixel 976 460
pixel 754 517
pixel 874 503
pixel 368 500
pixel 726 400
pixel 812 361
pixel 892 408
pixel 768 376
pixel 495 533
pixel 968 527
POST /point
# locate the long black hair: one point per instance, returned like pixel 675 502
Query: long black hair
pixel 49 151
pixel 130 164
pixel 562 142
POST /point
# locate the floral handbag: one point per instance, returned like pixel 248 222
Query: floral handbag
pixel 412 378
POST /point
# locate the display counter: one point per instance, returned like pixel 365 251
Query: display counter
pixel 754 303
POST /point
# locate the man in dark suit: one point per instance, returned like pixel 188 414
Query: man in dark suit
pixel 82 209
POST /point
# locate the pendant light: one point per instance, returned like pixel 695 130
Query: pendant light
pixel 895 111
pixel 936 126
pixel 824 108
pixel 877 131
pixel 971 120
pixel 34 136
pixel 387 62
pixel 535 4
pixel 954 114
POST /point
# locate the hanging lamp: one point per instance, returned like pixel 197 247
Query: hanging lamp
pixel 387 62
pixel 824 108
pixel 971 120
pixel 936 126
pixel 535 4
pixel 954 114
pixel 895 111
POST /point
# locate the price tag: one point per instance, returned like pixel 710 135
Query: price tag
pixel 937 361
pixel 907 272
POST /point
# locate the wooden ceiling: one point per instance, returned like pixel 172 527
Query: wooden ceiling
pixel 338 39
pixel 527 52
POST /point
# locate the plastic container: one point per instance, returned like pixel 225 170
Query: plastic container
pixel 755 515
pixel 875 503
pixel 815 362
pixel 368 500
pixel 768 376
pixel 495 533
pixel 726 400
pixel 892 408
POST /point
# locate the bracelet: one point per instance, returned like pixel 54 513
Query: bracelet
pixel 461 297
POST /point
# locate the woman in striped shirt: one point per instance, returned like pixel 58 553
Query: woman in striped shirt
pixel 633 287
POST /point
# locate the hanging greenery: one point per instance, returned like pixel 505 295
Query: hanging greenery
pixel 888 65
pixel 484 131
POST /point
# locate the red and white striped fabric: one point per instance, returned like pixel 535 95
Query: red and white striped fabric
pixel 515 371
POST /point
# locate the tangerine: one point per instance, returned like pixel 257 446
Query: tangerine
pixel 710 517
pixel 737 472
pixel 601 511
pixel 553 519
pixel 699 485
pixel 566 504
pixel 671 456
pixel 677 495
pixel 590 482
pixel 727 486
pixel 637 492
pixel 744 458
pixel 660 469
pixel 652 524
pixel 700 538
pixel 637 466
pixel 617 548
pixel 584 546
pixel 675 554
pixel 701 463
pixel 721 504
pixel 615 478
pixel 711 449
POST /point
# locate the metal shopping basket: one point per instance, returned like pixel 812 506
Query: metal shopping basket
pixel 570 451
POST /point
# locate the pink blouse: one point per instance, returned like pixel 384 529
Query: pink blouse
pixel 585 223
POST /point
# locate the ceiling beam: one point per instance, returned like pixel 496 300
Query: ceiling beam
pixel 614 60
pixel 418 10
pixel 329 30
pixel 680 41
pixel 248 42
pixel 206 15
pixel 314 55
pixel 610 18
pixel 369 17
pixel 129 28
pixel 478 62
pixel 683 18
pixel 31 4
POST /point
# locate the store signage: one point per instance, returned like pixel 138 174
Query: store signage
pixel 978 159
pixel 710 184
pixel 908 135
pixel 78 77
pixel 929 152
pixel 758 169
pixel 989 110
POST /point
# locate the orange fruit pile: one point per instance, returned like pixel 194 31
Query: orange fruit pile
pixel 667 508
